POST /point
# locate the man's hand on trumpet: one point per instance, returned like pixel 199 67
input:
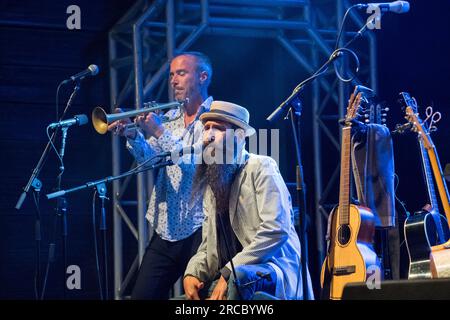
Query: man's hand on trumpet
pixel 121 127
pixel 151 123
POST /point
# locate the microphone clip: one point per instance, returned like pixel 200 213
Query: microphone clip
pixel 402 128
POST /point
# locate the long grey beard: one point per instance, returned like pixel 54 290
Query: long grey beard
pixel 220 178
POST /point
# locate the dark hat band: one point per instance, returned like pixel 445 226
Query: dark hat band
pixel 218 111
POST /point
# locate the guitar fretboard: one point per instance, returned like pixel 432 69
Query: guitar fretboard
pixel 441 184
pixel 344 190
pixel 431 191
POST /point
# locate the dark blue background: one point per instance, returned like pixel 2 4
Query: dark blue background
pixel 37 52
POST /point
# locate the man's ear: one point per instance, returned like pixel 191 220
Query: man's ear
pixel 203 76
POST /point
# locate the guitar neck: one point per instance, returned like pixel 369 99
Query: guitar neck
pixel 431 192
pixel 344 189
pixel 428 176
pixel 440 182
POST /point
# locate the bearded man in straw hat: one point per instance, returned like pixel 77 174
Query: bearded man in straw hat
pixel 249 225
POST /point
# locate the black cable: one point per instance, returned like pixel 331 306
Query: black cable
pixel 360 32
pixel 105 249
pixel 69 103
pixel 324 68
pixel 402 203
pixel 156 156
pixel 105 255
pixel 335 54
pixel 51 141
pixel 57 100
pixel 94 230
pixel 37 273
pixel 236 280
pixel 316 74
pixel 396 178
pixel 341 29
pixel 53 137
pixel 51 257
pixel 345 47
pixel 357 65
pixel 51 251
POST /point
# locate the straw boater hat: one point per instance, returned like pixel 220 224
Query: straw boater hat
pixel 229 112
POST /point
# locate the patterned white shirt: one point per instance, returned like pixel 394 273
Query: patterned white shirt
pixel 172 212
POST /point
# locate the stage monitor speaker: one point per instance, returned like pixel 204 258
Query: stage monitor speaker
pixel 427 289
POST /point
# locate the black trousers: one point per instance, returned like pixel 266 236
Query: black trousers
pixel 163 263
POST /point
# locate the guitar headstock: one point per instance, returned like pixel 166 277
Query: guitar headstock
pixel 354 103
pixel 375 113
pixel 353 106
pixel 412 115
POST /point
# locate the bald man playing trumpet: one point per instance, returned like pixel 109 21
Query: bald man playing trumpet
pixel 176 221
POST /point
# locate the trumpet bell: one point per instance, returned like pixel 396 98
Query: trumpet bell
pixel 100 120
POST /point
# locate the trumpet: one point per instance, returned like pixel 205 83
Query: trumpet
pixel 101 119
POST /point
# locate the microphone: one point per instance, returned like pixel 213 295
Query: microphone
pixel 178 153
pixel 181 152
pixel 278 112
pixel 188 150
pixel 92 70
pixel 79 120
pixel 396 6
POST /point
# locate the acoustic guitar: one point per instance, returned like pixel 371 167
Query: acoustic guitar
pixel 426 228
pixel 352 227
pixel 427 231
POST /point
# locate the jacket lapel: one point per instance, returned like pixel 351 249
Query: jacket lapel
pixel 236 188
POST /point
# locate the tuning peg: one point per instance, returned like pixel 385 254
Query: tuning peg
pixel 367 121
pixel 386 109
pixel 383 120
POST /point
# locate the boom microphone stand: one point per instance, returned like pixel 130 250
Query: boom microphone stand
pixel 61 208
pixel 61 204
pixel 292 106
pixel 100 187
pixel 36 185
pixel 294 113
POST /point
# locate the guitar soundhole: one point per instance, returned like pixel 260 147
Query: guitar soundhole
pixel 344 234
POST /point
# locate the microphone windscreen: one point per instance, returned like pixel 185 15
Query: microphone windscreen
pixel 82 119
pixel 94 69
pixel 400 6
